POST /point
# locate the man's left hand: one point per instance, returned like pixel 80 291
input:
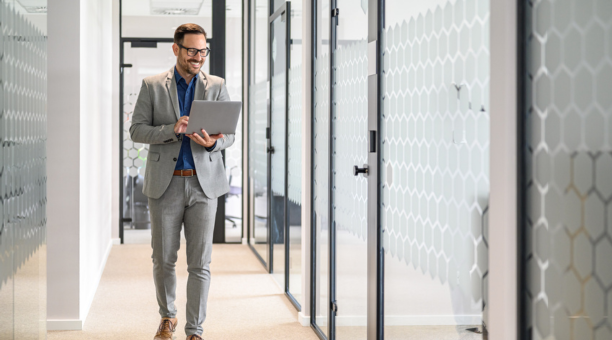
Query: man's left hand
pixel 207 141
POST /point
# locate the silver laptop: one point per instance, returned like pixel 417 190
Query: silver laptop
pixel 214 117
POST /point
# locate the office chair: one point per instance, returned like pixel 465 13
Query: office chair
pixel 234 191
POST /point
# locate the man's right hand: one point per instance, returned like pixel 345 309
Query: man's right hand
pixel 181 125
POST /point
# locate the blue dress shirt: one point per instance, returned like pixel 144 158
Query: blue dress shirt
pixel 185 97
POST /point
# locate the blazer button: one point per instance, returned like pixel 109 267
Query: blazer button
pixel 175 159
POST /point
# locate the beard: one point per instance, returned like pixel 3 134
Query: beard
pixel 186 66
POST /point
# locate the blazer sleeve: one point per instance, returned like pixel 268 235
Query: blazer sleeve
pixel 228 139
pixel 142 129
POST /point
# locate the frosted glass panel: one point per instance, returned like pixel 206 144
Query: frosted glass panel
pixel 258 167
pixel 294 179
pixel 23 176
pixel 321 188
pixel 294 128
pixel 434 169
pixel 568 156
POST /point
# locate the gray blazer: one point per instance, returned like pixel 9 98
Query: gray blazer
pixel 156 112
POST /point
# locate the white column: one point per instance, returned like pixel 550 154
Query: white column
pixel 503 170
pixel 79 156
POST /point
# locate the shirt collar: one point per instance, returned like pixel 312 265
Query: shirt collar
pixel 178 77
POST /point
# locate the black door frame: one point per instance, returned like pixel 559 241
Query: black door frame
pixel 375 252
pixel 284 12
pixel 217 67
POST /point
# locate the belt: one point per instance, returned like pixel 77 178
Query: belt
pixel 184 173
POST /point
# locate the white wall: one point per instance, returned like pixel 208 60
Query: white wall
pixel 96 142
pixel 116 114
pixel 79 155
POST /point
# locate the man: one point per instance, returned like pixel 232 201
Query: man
pixel 184 176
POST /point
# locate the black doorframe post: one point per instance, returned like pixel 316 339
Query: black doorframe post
pixel 375 328
pixel 217 68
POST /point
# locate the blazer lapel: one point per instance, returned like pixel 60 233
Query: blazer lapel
pixel 200 90
pixel 171 86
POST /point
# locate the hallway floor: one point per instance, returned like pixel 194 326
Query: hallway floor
pixel 244 301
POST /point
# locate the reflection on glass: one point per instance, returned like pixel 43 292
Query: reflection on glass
pixel 568 193
pixel 434 169
pixel 349 197
pixel 278 133
pixel 321 165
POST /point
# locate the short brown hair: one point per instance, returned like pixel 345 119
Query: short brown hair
pixel 180 32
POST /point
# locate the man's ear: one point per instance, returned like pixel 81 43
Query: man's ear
pixel 175 49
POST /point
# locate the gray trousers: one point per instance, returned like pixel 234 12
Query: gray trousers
pixel 183 202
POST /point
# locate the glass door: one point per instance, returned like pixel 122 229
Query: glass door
pixel 434 168
pixel 277 149
pixel 258 128
pixel 141 59
pixel 349 127
pixel 320 176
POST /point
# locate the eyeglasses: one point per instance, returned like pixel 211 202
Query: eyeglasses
pixel 193 51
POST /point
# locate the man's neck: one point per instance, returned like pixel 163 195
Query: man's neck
pixel 187 76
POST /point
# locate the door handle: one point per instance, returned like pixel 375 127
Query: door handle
pixel 271 149
pixel 357 170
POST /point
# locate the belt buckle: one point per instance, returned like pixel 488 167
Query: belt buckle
pixel 190 171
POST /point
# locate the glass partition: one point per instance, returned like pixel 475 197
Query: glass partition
pixel 349 194
pixel 278 141
pixel 258 122
pixel 294 154
pixel 435 168
pixel 145 62
pixel 321 135
pixel 568 169
pixel 23 131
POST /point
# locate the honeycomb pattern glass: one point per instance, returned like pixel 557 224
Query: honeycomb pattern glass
pixel 434 168
pixel 23 131
pixel 568 156
pixel 321 165
pixel 349 194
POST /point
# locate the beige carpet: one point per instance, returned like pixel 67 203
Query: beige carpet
pixel 244 301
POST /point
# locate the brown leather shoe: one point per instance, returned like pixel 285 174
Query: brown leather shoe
pixel 194 337
pixel 166 329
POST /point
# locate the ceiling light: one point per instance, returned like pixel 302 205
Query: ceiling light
pixel 182 7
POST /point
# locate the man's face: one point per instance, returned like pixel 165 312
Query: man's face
pixel 190 65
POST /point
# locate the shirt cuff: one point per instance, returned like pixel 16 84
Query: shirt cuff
pixel 212 147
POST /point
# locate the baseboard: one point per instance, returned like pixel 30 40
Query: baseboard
pixel 408 320
pixel 116 241
pixel 64 325
pixel 304 320
pixel 244 240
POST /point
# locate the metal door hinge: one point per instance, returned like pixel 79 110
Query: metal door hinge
pixel 334 308
pixel 335 12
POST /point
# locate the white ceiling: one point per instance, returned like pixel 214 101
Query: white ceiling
pixel 143 8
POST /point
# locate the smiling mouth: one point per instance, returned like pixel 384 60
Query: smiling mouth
pixel 194 64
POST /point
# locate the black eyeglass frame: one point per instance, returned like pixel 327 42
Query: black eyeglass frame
pixel 207 50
